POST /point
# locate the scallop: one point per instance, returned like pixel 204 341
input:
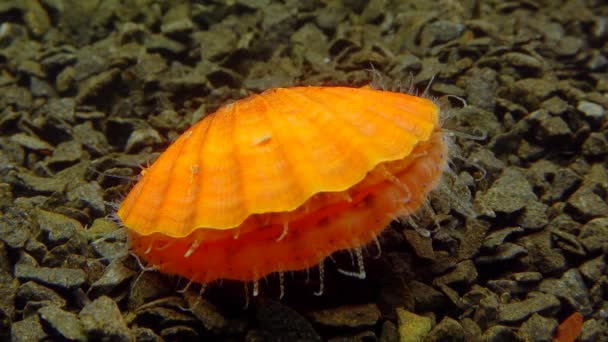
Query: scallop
pixel 279 181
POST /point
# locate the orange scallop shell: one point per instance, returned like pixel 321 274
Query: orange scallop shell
pixel 280 180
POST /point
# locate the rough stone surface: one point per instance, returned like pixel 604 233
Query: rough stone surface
pixel 510 192
pixel 518 311
pixel 62 324
pixel 102 320
pixel 283 323
pixel 570 288
pixel 354 316
pixel 538 328
pixel 28 330
pixel 64 278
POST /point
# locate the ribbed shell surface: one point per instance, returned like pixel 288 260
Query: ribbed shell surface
pixel 271 152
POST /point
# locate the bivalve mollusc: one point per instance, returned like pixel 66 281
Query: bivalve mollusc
pixel 279 181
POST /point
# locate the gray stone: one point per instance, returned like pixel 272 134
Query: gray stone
pixel 422 246
pixel 180 333
pixel 15 227
pixel 570 288
pixel 63 278
pixel 472 331
pixel 65 80
pixel 504 252
pixel 142 137
pixel 31 142
pixel 537 328
pixel 283 323
pixel 446 330
pixel 36 18
pixel 464 273
pixel 206 312
pixel 413 327
pixel 555 105
pixel 426 297
pixel 486 304
pixel 534 216
pixel 162 44
pixel 62 324
pixel 148 285
pixel 565 223
pixel 497 238
pixel 187 82
pixel 102 228
pixel 475 232
pixel 65 152
pixel 486 159
pixel 95 84
pixel 216 43
pixel 564 181
pixel 596 145
pixel 532 91
pixel 481 88
pixel 102 321
pixel 141 334
pixel 591 109
pixel 58 59
pixel 568 46
pixel 177 27
pixel 114 276
pixel 505 286
pixel 592 330
pixel 162 316
pixel 588 204
pixel 90 138
pixel 498 333
pixel 28 330
pixel 20 97
pixel 527 277
pixel 8 311
pixel 593 269
pixel 254 4
pixel 440 31
pixel 535 303
pixel 111 246
pixel 44 185
pixel 32 292
pixel 41 88
pixel 542 255
pixel 509 193
pixel 521 60
pixel 389 332
pixel 567 242
pixel 554 129
pixel 313 43
pixel 58 229
pixel 347 316
pixel 87 196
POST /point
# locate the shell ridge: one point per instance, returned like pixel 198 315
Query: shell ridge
pixel 411 115
pixel 398 97
pixel 356 129
pixel 163 159
pixel 322 128
pixel 125 208
pixel 284 154
pixel 239 166
pixel 172 178
pixel 199 182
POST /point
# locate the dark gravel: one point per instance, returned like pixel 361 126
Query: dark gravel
pixel 92 91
